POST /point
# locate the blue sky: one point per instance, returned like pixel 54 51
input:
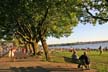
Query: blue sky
pixel 83 33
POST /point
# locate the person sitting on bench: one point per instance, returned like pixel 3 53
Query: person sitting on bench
pixel 74 57
pixel 84 61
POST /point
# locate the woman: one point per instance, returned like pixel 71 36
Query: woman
pixel 74 57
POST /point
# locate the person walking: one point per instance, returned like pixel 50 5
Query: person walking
pixel 100 50
pixel 12 53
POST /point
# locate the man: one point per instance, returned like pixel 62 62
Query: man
pixel 100 50
pixel 84 61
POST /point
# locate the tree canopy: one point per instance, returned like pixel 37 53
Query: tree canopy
pixel 95 11
pixel 28 15
pixel 62 15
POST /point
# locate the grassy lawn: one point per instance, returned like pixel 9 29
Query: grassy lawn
pixel 98 62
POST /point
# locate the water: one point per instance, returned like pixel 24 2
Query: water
pixel 92 46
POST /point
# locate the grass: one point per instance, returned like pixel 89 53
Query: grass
pixel 98 62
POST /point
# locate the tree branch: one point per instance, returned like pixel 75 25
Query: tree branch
pixel 41 23
pixel 96 17
pixel 21 35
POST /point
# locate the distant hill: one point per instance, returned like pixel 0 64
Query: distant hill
pixel 79 43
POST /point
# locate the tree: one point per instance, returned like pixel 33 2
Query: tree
pixel 38 14
pixel 16 17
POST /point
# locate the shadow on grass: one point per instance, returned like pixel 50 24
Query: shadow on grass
pixel 67 59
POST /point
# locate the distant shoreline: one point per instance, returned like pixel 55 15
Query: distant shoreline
pixel 91 44
pixel 79 43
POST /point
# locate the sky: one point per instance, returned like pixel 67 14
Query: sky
pixel 83 33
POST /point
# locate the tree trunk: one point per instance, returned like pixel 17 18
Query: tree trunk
pixel 26 46
pixel 36 47
pixel 33 48
pixel 45 47
pixel 30 49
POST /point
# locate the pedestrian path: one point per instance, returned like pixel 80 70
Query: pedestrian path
pixel 34 65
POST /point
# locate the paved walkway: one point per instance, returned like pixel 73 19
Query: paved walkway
pixel 34 65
